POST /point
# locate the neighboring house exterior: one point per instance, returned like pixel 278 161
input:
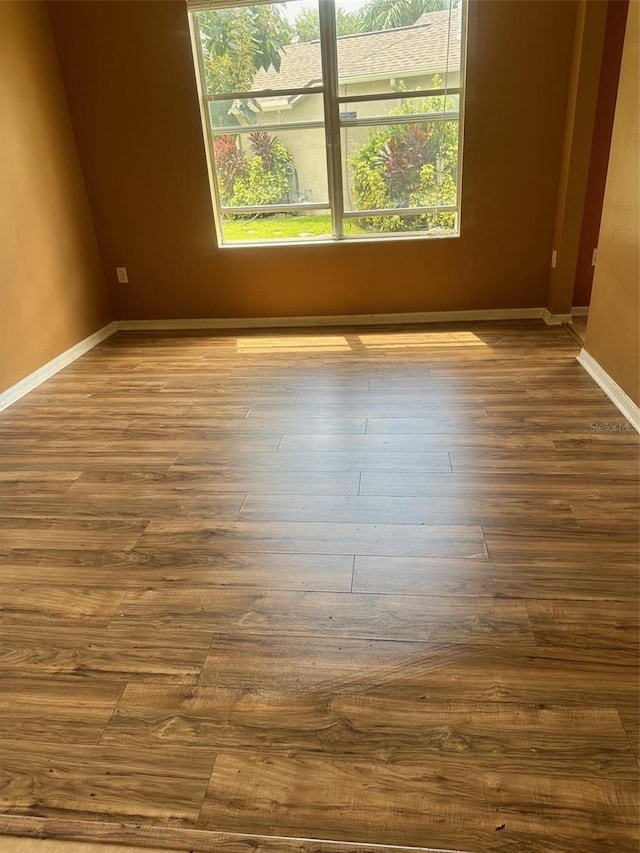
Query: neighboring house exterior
pixel 407 58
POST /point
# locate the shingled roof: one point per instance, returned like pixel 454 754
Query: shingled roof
pixel 431 43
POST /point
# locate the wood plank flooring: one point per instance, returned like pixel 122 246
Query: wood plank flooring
pixel 312 592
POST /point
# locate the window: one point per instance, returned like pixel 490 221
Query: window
pixel 330 121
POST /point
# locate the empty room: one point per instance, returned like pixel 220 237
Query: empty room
pixel 319 414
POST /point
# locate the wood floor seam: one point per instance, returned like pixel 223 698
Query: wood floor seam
pixel 385 594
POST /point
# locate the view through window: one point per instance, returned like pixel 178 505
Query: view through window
pixel 332 120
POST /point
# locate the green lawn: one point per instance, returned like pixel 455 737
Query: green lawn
pixel 283 228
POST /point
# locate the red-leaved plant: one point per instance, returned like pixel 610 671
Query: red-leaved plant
pixel 263 145
pixel 230 163
pixel 401 158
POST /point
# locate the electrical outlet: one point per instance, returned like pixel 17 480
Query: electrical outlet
pixel 121 273
pixel 554 259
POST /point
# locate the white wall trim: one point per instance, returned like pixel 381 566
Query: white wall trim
pixel 30 382
pixel 335 320
pixel 580 311
pixel 614 392
pixel 555 319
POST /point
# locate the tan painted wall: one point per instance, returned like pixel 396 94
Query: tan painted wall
pixel 613 330
pixel 130 83
pixel 52 289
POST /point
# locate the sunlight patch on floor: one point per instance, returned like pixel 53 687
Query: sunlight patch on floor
pixel 399 340
pixel 289 343
pixel 340 343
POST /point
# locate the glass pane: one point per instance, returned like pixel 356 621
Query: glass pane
pixel 400 165
pixel 266 168
pixel 442 224
pixel 275 228
pixel 390 46
pixel 249 112
pixel 253 48
pixel 400 106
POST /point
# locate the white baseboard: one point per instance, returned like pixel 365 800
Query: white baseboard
pixel 580 311
pixel 555 319
pixel 335 320
pixel 614 392
pixel 15 392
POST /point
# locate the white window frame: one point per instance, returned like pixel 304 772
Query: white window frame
pixel 332 124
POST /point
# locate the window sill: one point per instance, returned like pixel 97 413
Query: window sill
pixel 390 238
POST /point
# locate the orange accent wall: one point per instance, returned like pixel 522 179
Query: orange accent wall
pixel 601 142
pixel 613 330
pixel 130 83
pixel 52 288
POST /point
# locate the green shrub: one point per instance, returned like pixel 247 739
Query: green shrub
pixel 408 165
pixel 265 179
pixel 247 181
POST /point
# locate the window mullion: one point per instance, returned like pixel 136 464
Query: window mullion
pixel 461 106
pixel 397 95
pixel 329 55
pixel 407 118
pixel 217 5
pixel 278 127
pixel 201 77
pixel 264 93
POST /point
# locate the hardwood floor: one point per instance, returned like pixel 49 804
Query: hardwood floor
pixel 309 592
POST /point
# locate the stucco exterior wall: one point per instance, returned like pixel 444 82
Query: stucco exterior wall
pixel 308 146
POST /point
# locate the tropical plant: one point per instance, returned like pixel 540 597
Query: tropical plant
pixel 267 147
pixel 230 163
pixel 260 179
pixel 259 186
pixel 374 15
pixel 237 43
pixel 389 14
pixel 413 164
pixel 401 159
pixel 306 26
